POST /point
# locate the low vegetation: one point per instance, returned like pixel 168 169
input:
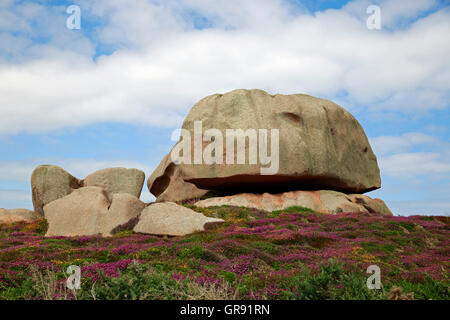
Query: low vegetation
pixel 289 254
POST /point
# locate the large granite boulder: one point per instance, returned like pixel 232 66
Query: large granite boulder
pixel 168 218
pixel 49 183
pixel 8 216
pixel 324 201
pixel 321 146
pixel 89 211
pixel 117 180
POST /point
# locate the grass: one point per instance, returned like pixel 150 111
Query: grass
pixel 289 254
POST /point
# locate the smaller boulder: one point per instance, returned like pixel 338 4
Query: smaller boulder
pixel 117 180
pixel 123 213
pixel 89 211
pixel 337 202
pixel 168 218
pixel 17 215
pixel 49 183
pixel 372 205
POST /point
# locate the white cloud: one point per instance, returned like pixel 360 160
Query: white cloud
pixel 397 10
pixel 39 33
pixel 397 144
pixel 163 65
pixel 392 11
pixel 401 157
pixel 416 164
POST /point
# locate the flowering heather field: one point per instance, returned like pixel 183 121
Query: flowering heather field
pixel 289 254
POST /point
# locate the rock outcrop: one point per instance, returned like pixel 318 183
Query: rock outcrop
pixel 117 180
pixel 89 211
pixel 50 182
pixel 324 201
pixel 319 153
pixel 321 146
pixel 17 215
pixel 168 218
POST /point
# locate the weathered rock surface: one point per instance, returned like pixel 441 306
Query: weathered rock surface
pixel 117 180
pixel 173 187
pixel 321 146
pixel 88 211
pixel 168 218
pixel 373 205
pixel 324 201
pixel 49 183
pixel 17 215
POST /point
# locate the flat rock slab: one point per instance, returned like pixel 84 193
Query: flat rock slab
pixel 17 215
pixel 324 201
pixel 168 218
pixel 89 211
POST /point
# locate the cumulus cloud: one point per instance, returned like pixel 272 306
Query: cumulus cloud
pixel 36 31
pixel 416 164
pixel 162 64
pixel 399 156
pixel 396 144
pixel 393 12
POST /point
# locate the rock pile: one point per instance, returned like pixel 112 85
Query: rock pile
pixel 50 183
pixel 105 202
pixel 325 159
pixel 323 162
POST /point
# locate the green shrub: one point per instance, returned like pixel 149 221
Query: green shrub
pixel 330 282
pixel 427 289
pixel 137 282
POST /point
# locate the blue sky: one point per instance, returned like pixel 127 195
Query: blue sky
pixel 111 93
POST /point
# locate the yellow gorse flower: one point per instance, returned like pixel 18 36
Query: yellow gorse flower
pixel 359 254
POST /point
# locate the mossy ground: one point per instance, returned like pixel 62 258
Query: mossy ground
pixel 289 254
